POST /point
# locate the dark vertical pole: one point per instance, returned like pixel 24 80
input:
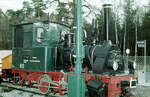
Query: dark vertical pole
pixel 73 25
pixel 74 13
pixel 107 9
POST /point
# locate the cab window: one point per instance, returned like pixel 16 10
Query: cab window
pixel 40 34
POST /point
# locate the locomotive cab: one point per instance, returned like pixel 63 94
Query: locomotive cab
pixel 34 45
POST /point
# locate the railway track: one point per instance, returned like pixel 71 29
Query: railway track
pixel 11 86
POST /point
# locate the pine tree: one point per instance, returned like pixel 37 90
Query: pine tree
pixel 129 25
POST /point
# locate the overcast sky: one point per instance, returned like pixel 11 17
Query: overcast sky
pixel 17 4
pixel 11 4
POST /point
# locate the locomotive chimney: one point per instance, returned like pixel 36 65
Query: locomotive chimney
pixel 107 20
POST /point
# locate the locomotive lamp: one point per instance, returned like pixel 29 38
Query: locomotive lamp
pixel 115 66
pixel 131 65
pixel 127 51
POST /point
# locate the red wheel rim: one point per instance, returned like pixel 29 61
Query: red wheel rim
pixel 44 88
pixel 3 73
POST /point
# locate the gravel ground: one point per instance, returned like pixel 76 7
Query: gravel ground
pixel 16 93
pixel 140 91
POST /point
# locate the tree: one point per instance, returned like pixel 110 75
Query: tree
pixel 4 31
pixel 146 30
pixel 27 9
pixel 129 25
pixel 65 12
pixel 39 6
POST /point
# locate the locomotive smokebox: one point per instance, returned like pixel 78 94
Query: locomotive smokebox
pixel 107 20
